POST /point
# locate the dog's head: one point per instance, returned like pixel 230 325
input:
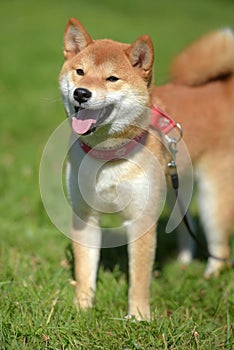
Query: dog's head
pixel 103 81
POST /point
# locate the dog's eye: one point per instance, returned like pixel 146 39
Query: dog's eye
pixel 112 78
pixel 79 71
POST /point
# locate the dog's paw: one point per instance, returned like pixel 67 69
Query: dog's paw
pixel 185 257
pixel 213 268
pixel 82 304
pixel 83 300
pixel 139 313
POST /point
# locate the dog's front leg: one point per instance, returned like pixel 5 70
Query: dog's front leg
pixel 141 259
pixel 86 247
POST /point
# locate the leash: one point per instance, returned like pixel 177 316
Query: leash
pixel 158 115
pixel 187 219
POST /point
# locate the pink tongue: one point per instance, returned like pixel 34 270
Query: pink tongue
pixel 82 126
pixel 83 120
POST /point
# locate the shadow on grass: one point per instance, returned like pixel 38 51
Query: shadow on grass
pixel 167 250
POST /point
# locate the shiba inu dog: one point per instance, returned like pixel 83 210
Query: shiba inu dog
pixel 107 90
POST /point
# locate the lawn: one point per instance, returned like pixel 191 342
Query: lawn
pixel 36 309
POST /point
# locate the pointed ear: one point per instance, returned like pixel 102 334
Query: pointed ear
pixel 75 38
pixel 141 56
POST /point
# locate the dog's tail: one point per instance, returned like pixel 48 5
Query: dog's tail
pixel 210 58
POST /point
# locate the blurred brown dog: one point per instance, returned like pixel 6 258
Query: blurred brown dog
pixel 201 98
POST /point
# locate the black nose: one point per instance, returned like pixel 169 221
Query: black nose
pixel 82 95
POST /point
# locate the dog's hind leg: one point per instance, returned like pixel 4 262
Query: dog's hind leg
pixel 216 203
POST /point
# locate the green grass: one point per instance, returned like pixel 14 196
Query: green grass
pixel 36 310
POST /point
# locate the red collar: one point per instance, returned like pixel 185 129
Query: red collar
pixel 159 120
pixel 116 153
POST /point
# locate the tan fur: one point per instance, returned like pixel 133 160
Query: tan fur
pixel 206 114
pixel 217 50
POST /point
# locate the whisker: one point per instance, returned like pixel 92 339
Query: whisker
pixel 51 100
